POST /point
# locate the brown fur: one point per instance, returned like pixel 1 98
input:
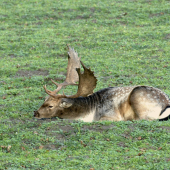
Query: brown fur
pixel 115 104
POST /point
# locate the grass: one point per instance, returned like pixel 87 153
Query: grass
pixel 124 42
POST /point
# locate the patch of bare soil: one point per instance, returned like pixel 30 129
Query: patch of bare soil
pixel 58 78
pixel 38 23
pixel 82 17
pixel 62 55
pixel 165 127
pixel 2 82
pixel 13 55
pixel 64 126
pixel 29 73
pixel 167 36
pixel 122 144
pixel 2 106
pixel 97 128
pixel 64 129
pixel 156 15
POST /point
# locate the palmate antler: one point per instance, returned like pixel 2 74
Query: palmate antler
pixel 87 80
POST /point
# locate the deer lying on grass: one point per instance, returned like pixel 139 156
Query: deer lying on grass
pixel 112 103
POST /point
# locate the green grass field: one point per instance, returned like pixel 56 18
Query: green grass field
pixel 125 43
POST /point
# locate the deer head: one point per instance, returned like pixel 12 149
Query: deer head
pixel 57 105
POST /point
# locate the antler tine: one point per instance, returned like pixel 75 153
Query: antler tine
pixel 72 77
pixel 54 82
pixel 51 93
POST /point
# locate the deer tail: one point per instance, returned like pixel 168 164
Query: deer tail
pixel 165 114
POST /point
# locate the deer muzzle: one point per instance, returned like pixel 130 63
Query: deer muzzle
pixel 36 114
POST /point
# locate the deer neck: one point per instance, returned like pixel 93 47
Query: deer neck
pixel 87 109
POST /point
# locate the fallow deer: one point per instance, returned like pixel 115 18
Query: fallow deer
pixel 112 103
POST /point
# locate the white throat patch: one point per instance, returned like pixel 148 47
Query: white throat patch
pixel 89 117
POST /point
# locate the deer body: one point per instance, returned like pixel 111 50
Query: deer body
pixel 112 103
pixel 115 104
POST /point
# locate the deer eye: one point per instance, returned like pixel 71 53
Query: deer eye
pixel 50 106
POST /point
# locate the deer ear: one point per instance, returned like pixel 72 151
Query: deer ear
pixel 65 103
pixel 46 98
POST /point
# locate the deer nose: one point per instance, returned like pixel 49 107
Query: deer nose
pixel 36 114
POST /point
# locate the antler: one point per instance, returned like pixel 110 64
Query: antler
pixel 87 82
pixel 72 76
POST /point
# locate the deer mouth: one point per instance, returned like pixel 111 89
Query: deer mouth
pixel 36 114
